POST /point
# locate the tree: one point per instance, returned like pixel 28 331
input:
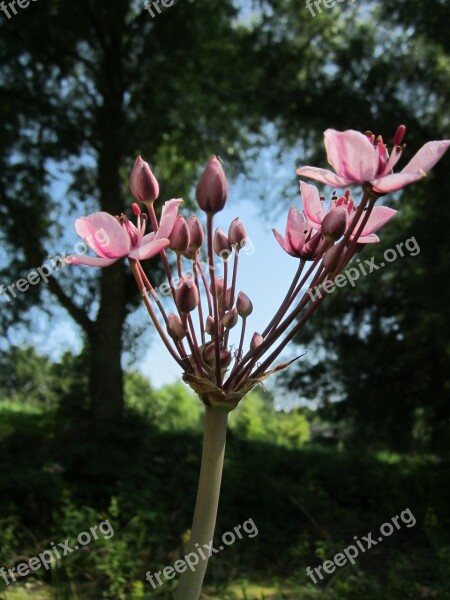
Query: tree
pixel 84 88
pixel 381 354
pixel 194 80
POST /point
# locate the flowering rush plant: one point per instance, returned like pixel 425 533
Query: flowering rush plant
pixel 207 307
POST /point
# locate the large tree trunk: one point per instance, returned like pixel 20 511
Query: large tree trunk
pixel 106 375
pixel 105 341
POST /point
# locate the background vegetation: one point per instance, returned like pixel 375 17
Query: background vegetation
pixel 86 86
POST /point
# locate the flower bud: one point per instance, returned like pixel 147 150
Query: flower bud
pixel 186 295
pixel 212 188
pixel 225 300
pixel 256 341
pixel 219 286
pixel 334 223
pixel 209 355
pixel 143 184
pixel 331 257
pixel 244 305
pixel 236 234
pixel 230 318
pixel 175 327
pixel 179 236
pixel 196 233
pixel 209 325
pixel 222 246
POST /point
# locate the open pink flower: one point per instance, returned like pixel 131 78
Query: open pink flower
pixel 360 158
pixel 300 241
pixel 315 213
pixel 112 238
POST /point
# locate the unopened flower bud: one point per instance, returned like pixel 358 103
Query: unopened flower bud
pixel 230 318
pixel 209 355
pixel 175 327
pixel 236 234
pixel 222 246
pixel 212 188
pixel 225 300
pixel 334 223
pixel 196 233
pixel 186 295
pixel 209 325
pixel 219 286
pixel 399 135
pixel 244 305
pixel 256 341
pixel 179 236
pixel 143 184
pixel 331 257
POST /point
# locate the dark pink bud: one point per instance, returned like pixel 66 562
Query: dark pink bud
pixel 186 295
pixel 222 246
pixel 334 223
pixel 256 341
pixel 196 233
pixel 244 305
pixel 219 286
pixel 225 298
pixel 230 318
pixel 399 135
pixel 209 355
pixel 212 188
pixel 143 184
pixel 236 234
pixel 209 325
pixel 179 236
pixel 331 257
pixel 175 327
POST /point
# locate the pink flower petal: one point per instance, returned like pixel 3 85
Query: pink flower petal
pixel 379 216
pixel 396 181
pixel 351 154
pixel 145 251
pixel 427 156
pixel 168 216
pixel 104 235
pixel 91 261
pixel 280 239
pixel 324 176
pixel 295 229
pixel 368 239
pixel 312 205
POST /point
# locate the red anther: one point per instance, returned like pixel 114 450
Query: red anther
pixel 136 210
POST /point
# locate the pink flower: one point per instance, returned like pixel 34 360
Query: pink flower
pixel 315 213
pixel 300 240
pixel 360 158
pixel 112 238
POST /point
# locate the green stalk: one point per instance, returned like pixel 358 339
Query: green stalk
pixel 215 433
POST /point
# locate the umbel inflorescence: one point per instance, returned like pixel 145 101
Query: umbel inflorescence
pixel 323 238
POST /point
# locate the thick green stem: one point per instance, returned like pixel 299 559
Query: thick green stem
pixel 205 514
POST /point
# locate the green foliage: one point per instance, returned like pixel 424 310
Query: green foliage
pixel 171 408
pixel 256 419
